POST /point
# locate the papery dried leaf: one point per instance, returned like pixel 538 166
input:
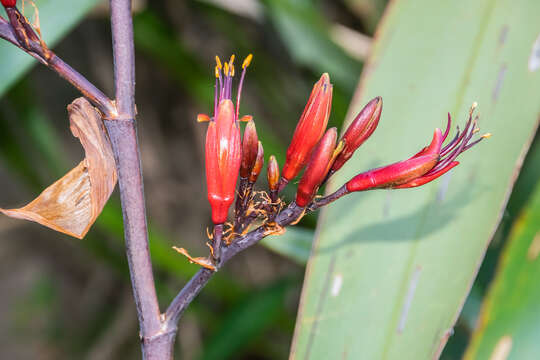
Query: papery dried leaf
pixel 72 204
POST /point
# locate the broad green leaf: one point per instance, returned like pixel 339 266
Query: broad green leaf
pixel 510 316
pixel 295 244
pixel 390 270
pixel 56 18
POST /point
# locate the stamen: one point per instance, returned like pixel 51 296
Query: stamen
pixel 465 131
pixel 218 62
pixel 448 124
pixel 472 144
pixel 247 61
pixel 245 65
pixel 452 143
pixel 216 93
pixel 203 118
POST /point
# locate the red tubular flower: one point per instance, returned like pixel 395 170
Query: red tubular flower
pixel 223 147
pixel 250 146
pixel 359 131
pixel 317 168
pixel 427 165
pixel 9 3
pixel 309 130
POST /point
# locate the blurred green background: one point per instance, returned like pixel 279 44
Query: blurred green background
pixel 69 299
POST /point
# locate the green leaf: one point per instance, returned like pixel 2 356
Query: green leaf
pixel 295 244
pixel 390 270
pixel 56 18
pixel 510 316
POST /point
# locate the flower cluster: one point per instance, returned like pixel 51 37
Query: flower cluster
pixel 319 151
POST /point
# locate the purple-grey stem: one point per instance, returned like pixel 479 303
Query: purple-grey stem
pixel 201 278
pixel 156 344
pixel 94 95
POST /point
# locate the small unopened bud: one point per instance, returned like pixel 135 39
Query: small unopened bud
pixel 273 173
pixel 310 128
pixel 9 3
pixel 250 146
pixel 317 168
pixel 359 131
pixel 259 162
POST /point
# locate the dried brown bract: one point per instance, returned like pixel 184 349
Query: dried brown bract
pixel 72 204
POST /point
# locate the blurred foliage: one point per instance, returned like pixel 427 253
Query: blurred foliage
pixel 292 44
pixel 510 315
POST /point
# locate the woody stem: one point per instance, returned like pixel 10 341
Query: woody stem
pixel 201 278
pixel 55 63
pixel 156 343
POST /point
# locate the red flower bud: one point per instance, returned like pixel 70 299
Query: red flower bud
pixel 259 162
pixel 223 153
pixel 272 173
pixel 223 147
pixel 250 146
pixel 317 168
pixel 9 3
pixel 427 165
pixel 310 128
pixel 359 131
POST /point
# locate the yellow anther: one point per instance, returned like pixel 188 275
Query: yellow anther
pixel 246 118
pixel 232 70
pixel 217 72
pixel 203 118
pixel 339 148
pixel 486 135
pixel 231 60
pixel 226 69
pixel 247 61
pixel 337 151
pixel 218 62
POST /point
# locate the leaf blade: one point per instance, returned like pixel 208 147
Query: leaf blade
pixel 390 252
